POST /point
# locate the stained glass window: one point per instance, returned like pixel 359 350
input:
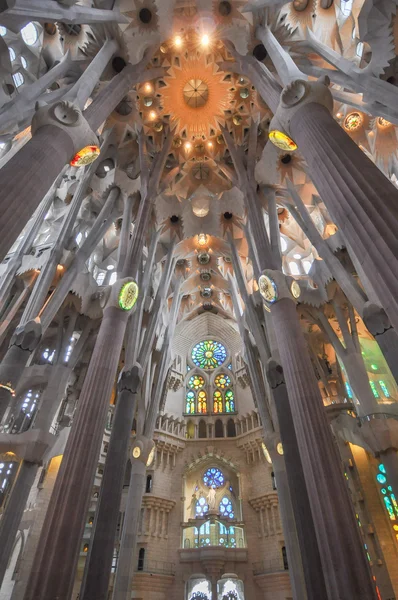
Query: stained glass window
pixel 213 478
pixel 217 402
pixel 374 389
pixel 348 390
pixel 190 404
pixel 209 354
pixel 196 382
pixel 389 498
pixel 222 381
pixel 201 507
pixel 226 509
pixel 230 367
pixel 202 402
pixel 384 388
pixel 229 401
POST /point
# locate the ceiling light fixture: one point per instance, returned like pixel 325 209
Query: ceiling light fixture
pixel 178 41
pixel 152 115
pixel 202 239
pixel 205 40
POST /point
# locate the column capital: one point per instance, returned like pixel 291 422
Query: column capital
pixel 130 379
pixel 68 117
pixel 294 96
pixel 143 450
pixel 27 336
pixel 375 319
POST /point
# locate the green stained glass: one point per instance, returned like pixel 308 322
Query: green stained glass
pixel 229 401
pixel 196 382
pixel 374 389
pixel 222 381
pixel 389 508
pixel 209 354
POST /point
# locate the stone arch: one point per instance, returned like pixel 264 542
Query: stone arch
pixel 202 433
pixel 218 429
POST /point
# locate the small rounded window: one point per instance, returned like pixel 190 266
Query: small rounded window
pixel 29 34
pixel 24 62
pixel 3 31
pixel 18 79
pixel 12 54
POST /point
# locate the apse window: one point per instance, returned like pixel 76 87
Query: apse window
pixel 18 79
pixel 30 34
pixel 12 54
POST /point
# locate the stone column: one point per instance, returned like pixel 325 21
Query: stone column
pixel 289 527
pixel 24 340
pixel 308 543
pixel 361 200
pixel 345 568
pixel 9 526
pixel 126 564
pixel 102 542
pixel 59 132
pixel 55 562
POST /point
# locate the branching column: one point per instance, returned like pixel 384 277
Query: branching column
pixel 345 568
pixel 361 200
pixel 53 570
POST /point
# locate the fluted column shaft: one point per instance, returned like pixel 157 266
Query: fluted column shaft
pixel 99 560
pixel 26 178
pixel 9 526
pixel 125 567
pixel 345 568
pixel 55 562
pixel 361 200
pixel 289 528
pixel 308 543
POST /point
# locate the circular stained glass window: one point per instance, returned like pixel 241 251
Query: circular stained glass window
pixel 381 479
pixel 209 354
pixel 213 478
pixel 196 382
pixel 222 381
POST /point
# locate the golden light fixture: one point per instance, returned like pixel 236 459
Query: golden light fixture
pixel 152 115
pixel 210 144
pixel 178 41
pixel 205 40
pixel 148 88
pixel 202 239
pixel 187 145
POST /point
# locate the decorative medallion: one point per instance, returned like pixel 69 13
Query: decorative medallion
pixel 151 456
pixel 282 141
pixel 353 122
pixel 266 453
pixel 295 289
pixel 279 448
pixel 136 452
pixel 128 295
pixel 203 258
pixel 268 289
pixel 196 93
pixel 85 156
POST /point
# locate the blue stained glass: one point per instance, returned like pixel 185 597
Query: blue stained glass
pixel 201 508
pixel 348 390
pixel 226 508
pixel 384 388
pixel 389 507
pixel 382 469
pixel 213 478
pixel 381 479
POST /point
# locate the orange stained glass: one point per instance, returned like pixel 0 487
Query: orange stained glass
pixel 202 402
pixel 217 402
